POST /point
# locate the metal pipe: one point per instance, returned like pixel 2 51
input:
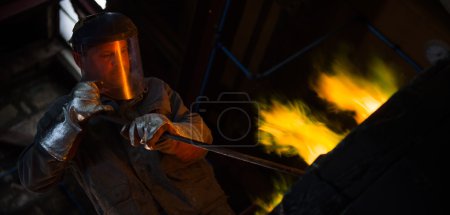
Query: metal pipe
pixel 385 40
pixel 212 56
pixel 240 156
pixel 223 151
pixel 297 54
pixel 236 61
pixel 248 73
pixel 372 29
pixel 224 16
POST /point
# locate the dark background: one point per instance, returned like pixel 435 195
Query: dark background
pixel 176 39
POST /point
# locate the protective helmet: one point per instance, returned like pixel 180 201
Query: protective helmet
pixel 108 51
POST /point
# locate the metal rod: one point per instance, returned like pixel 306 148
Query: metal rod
pixel 304 50
pixel 386 41
pixel 372 29
pixel 223 151
pixel 240 156
pixel 297 54
pixel 212 55
pixel 235 61
pixel 224 16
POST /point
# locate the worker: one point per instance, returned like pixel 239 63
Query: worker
pixel 109 133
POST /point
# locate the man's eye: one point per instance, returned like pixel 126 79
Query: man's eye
pixel 107 55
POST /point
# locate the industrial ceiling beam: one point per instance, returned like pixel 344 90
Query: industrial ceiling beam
pixel 12 8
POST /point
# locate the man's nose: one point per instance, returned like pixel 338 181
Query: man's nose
pixel 117 62
pixel 114 62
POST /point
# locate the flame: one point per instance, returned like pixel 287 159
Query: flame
pixel 290 128
pixel 280 185
pixel 362 95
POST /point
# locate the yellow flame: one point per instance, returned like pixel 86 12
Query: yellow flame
pixel 123 73
pixel 280 185
pixel 355 93
pixel 289 129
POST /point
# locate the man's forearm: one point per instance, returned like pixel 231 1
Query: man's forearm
pixel 38 170
pixel 42 164
pixel 58 140
pixel 197 131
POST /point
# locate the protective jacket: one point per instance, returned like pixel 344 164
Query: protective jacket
pixel 122 179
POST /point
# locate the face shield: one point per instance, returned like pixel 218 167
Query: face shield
pixel 114 64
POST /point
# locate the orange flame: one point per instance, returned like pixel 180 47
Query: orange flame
pixel 290 129
pixel 362 95
pixel 280 185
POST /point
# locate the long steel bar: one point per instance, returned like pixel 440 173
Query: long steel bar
pixel 224 151
pixel 240 156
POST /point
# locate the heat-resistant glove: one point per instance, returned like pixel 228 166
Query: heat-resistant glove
pixel 84 103
pixel 149 128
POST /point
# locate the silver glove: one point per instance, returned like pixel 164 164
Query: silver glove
pixel 148 129
pixel 84 104
pixel 86 101
pixel 59 140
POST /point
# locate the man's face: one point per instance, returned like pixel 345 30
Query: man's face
pixel 107 62
pixel 116 64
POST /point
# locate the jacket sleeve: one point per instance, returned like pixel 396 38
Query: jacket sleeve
pixel 41 165
pixel 187 124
